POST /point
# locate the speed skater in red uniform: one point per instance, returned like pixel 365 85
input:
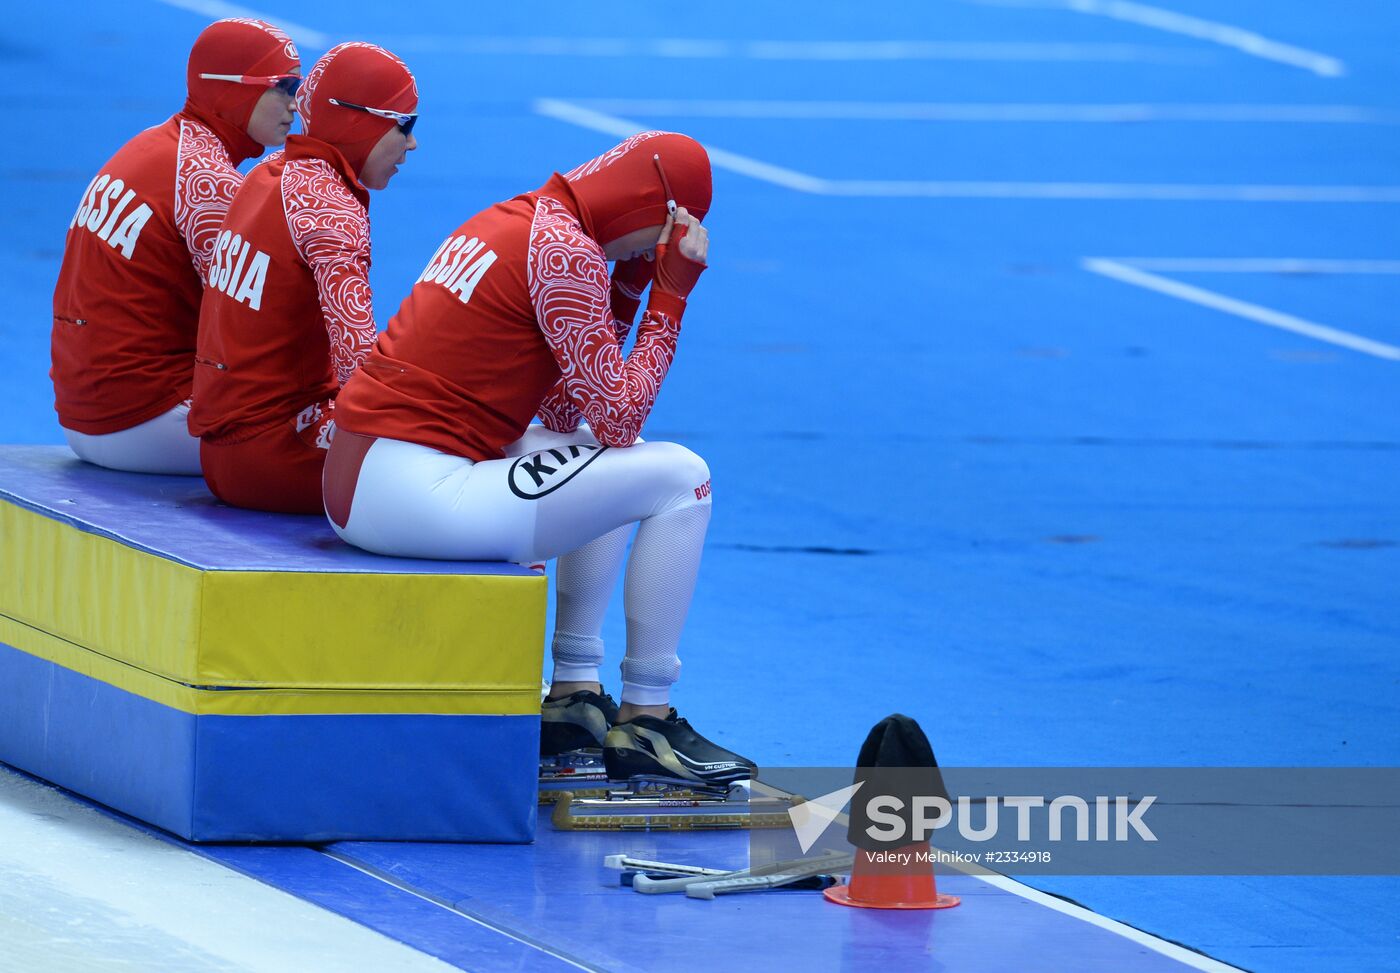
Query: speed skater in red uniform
pixel 139 246
pixel 287 314
pixel 434 456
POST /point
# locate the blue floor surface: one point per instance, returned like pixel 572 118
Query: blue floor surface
pixel 1059 519
pixel 553 906
pixel 577 907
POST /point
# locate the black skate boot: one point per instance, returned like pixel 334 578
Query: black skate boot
pixel 670 752
pixel 577 722
pixel 571 732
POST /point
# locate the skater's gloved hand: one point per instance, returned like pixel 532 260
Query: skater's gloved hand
pixel 680 254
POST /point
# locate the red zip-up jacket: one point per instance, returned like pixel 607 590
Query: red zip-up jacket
pixel 287 314
pixel 126 306
pixel 512 318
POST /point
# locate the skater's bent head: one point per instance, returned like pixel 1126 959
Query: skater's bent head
pixel 625 194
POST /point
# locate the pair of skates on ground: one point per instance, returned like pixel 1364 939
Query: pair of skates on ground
pixel 645 774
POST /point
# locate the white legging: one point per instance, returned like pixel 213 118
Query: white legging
pixel 556 495
pixel 159 445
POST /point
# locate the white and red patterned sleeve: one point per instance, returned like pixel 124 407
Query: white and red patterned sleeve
pixel 205 181
pixel 330 229
pixel 569 286
pixel 556 411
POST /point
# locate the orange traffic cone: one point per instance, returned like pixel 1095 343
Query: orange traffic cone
pixel 897 760
pixel 898 879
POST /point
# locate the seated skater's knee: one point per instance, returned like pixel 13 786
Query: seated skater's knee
pixel 688 476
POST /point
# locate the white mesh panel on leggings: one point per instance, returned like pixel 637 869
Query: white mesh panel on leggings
pixel 660 582
pixel 584 584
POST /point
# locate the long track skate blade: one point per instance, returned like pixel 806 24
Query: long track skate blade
pixel 571 814
pixel 817 872
pixel 669 792
pixel 630 869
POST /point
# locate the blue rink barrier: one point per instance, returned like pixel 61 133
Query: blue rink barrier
pixel 234 676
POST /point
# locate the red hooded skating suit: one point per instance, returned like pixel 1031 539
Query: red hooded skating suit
pixel 512 317
pixel 127 301
pixel 287 314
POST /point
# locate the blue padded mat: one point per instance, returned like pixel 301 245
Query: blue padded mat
pixel 177 518
pixel 308 777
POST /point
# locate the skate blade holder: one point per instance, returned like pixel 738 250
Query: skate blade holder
pixel 813 873
pixel 590 785
pixel 651 805
pixel 574 765
pixel 579 771
pixel 667 792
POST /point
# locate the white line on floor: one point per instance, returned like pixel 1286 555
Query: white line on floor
pixel 219 9
pixel 1181 192
pixel 1210 30
pixel 597 121
pixel 402 886
pixel 712 49
pixel 878 50
pixel 1243 309
pixel 1247 41
pixel 1187 957
pixel 82 891
pixel 1260 265
pixel 622 128
pixel 989 112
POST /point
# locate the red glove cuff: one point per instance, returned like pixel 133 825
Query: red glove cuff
pixel 675 272
pixel 668 304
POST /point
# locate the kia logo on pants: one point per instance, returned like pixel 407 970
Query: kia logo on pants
pixel 538 474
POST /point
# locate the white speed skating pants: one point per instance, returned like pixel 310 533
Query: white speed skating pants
pixel 556 495
pixel 159 445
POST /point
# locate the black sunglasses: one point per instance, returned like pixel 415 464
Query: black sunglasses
pixel 285 83
pixel 405 120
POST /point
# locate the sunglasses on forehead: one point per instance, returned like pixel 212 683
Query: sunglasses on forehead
pixel 285 83
pixel 405 120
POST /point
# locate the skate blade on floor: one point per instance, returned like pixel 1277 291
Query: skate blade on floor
pixel 654 805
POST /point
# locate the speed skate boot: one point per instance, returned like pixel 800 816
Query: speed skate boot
pixel 662 775
pixel 572 730
pixel 653 755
